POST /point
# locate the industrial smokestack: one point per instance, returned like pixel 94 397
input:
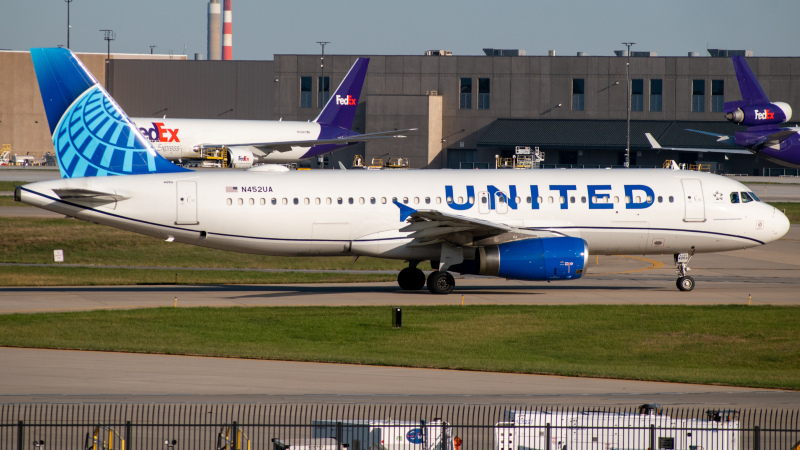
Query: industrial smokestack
pixel 227 33
pixel 214 43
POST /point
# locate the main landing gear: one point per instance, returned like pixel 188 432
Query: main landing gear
pixel 413 279
pixel 684 282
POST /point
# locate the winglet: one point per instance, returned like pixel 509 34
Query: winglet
pixel 405 211
pixel 92 136
pixel 653 142
pixel 341 107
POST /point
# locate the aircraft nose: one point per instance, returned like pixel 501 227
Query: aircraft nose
pixel 780 224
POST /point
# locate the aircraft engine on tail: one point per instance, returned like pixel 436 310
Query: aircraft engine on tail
pixel 556 258
pixel 755 115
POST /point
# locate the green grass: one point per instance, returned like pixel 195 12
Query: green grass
pixel 730 345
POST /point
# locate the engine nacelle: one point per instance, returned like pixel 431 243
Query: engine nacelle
pixel 767 114
pixel 240 158
pixel 556 258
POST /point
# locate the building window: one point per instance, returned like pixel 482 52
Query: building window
pixel 698 95
pixel 323 91
pixel 656 89
pixel 465 100
pixel 577 94
pixel 305 92
pixel 637 94
pixel 717 95
pixel 484 90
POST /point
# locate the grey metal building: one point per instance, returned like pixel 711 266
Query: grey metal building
pixel 471 109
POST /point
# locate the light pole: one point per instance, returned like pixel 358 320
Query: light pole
pixel 628 79
pixel 322 78
pixel 109 36
pixel 68 25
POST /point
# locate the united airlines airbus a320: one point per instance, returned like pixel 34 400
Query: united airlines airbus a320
pixel 251 142
pixel 528 224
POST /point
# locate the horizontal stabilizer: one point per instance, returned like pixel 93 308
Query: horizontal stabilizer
pixel 88 197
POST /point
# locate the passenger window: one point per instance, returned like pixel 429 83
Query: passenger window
pixel 372 200
pixel 471 200
pixel 416 200
pixel 660 199
pixel 539 200
pixel 274 201
pixel 296 201
pixel 328 201
pixel 229 202
pixel 350 200
pixel 460 199
pixel 252 201
pixel 572 199
pixel 339 200
pixel 583 199
pixel 438 200
pixel 627 199
pixel 528 200
pixel 561 200
pixel 383 200
pixel 649 199
pixel 734 197
pixel 240 202
pixel 550 200
pixel 263 201
pixel 360 200
pixel 427 200
pixel 616 199
pixel 317 201
pixel 671 199
pixel 405 200
pixel 306 201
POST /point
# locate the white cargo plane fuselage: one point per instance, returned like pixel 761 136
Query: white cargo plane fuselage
pixel 518 224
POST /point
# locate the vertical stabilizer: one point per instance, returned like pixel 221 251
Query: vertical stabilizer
pixel 92 136
pixel 748 86
pixel 341 108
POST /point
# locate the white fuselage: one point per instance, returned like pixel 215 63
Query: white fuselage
pixel 351 212
pixel 177 139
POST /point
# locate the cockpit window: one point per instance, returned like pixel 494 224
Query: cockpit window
pixel 753 196
pixel 748 197
pixel 734 197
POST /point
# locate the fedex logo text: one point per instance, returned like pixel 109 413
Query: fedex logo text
pixel 765 115
pixel 349 100
pixel 159 133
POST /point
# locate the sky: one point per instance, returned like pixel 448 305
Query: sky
pixel 262 28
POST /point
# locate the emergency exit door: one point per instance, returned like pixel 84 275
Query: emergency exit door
pixel 694 207
pixel 187 203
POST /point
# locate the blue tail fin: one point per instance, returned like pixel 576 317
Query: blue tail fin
pixel 92 136
pixel 341 108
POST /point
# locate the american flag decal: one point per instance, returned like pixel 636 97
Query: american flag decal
pixel 231 189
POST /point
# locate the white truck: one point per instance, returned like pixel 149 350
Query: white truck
pixel 542 430
pixel 386 434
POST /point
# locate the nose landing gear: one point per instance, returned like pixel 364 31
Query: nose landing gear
pixel 684 282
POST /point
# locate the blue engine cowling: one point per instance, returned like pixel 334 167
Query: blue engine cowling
pixel 557 258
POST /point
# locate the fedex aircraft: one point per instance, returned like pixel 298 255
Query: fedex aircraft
pixel 252 142
pixel 764 135
pixel 517 224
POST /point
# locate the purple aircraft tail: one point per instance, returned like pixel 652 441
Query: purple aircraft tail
pixel 748 85
pixel 341 108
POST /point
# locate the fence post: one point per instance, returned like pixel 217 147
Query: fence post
pixel 128 435
pixel 652 436
pixel 546 434
pixel 235 436
pixel 20 435
pixel 339 435
pixel 756 438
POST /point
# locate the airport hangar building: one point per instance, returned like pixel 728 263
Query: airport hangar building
pixel 469 109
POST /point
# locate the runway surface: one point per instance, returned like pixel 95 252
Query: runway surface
pixel 761 276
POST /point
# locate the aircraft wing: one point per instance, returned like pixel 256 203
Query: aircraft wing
pixel 656 146
pixel 285 146
pixel 774 140
pixel 431 227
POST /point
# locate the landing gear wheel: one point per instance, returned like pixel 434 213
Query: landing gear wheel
pixel 441 283
pixel 411 279
pixel 685 283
